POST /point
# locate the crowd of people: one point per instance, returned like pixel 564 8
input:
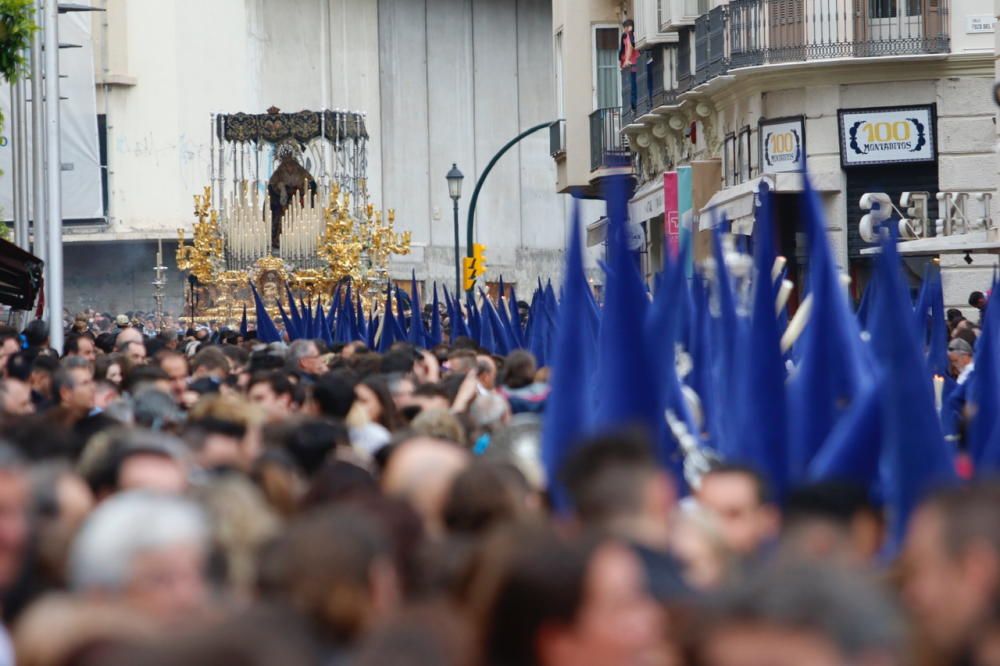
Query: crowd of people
pixel 199 498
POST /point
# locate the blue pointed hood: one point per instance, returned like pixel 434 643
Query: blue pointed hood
pixel 830 372
pixel 628 393
pixel 487 339
pixel 291 331
pixel 267 332
pixel 915 457
pixel 296 318
pixel 984 391
pixel 761 411
pixel 434 337
pixel 417 335
pixel 567 415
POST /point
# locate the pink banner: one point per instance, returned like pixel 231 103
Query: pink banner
pixel 671 212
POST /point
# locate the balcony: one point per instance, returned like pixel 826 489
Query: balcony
pixel 749 33
pixel 673 14
pixel 608 147
pixel 649 90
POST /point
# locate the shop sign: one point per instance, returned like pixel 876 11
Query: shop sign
pixel 958 214
pixel 782 145
pixel 886 135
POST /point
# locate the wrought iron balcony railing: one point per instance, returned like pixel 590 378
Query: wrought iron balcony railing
pixel 608 147
pixel 747 33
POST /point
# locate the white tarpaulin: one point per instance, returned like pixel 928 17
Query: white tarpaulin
pixel 81 163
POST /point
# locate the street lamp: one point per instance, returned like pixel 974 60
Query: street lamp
pixel 455 178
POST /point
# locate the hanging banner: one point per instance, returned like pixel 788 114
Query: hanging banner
pixel 671 212
pixel 782 145
pixel 81 160
pixel 685 213
pixel 886 135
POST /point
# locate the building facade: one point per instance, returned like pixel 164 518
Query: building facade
pixel 441 82
pixel 872 96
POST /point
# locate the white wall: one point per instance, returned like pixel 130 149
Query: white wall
pixel 441 81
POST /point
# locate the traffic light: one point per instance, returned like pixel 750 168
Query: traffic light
pixel 468 273
pixel 479 257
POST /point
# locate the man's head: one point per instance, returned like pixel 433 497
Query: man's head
pixel 272 392
pixel 176 367
pixel 10 344
pixel 146 376
pixel 461 361
pixel 739 498
pixel 519 370
pixel 15 398
pixel 952 565
pixel 977 300
pixel 210 362
pixel 40 377
pixel 147 550
pixel 133 350
pixel 304 356
pixel 73 386
pixel 128 335
pixel 486 371
pixel 223 432
pixel 81 346
pixel 616 483
pixel 399 360
pixel 421 471
pixel 36 334
pixel 333 395
pixel 960 354
pixel 832 521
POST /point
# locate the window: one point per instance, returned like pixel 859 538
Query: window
pixel 729 160
pixel 743 151
pixel 607 80
pixel 683 55
pixel 882 8
pixel 102 144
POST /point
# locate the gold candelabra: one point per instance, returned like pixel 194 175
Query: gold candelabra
pixel 314 256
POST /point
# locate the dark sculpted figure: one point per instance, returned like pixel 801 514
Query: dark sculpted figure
pixel 289 180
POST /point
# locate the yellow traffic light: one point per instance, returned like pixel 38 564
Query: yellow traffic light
pixel 479 256
pixel 468 273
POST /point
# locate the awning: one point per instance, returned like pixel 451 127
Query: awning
pixel 737 202
pixel 979 241
pixel 647 202
pixel 597 232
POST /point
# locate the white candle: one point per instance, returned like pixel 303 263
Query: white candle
pixel 797 325
pixel 938 392
pixel 779 265
pixel 159 252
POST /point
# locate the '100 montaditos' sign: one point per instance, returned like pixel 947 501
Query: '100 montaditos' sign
pixel 886 136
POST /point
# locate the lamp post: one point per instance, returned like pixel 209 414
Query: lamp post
pixel 455 178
